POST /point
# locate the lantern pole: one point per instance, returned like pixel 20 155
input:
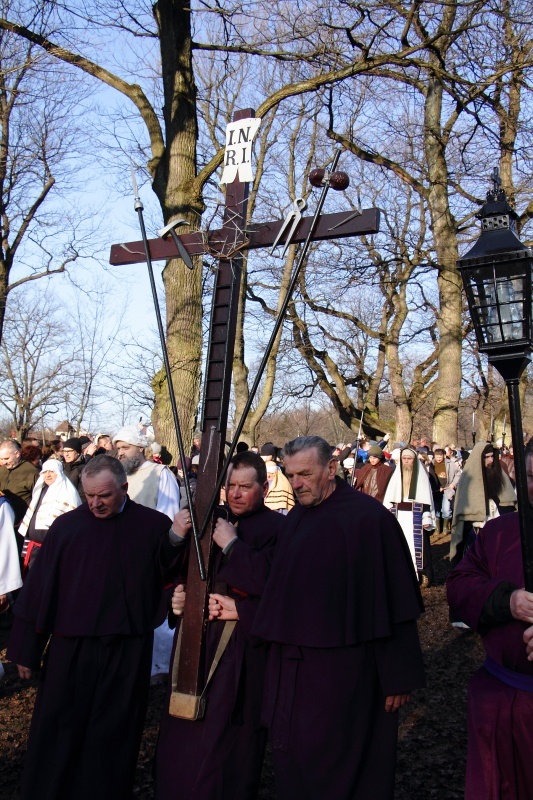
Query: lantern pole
pixel 511 369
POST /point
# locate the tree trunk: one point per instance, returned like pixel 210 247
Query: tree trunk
pixel 173 184
pixel 448 385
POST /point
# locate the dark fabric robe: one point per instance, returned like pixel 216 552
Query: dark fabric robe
pixel 219 757
pixel 340 609
pixel 96 590
pixel 500 732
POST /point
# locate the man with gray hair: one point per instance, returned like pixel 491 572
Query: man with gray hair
pixel 95 594
pixel 339 610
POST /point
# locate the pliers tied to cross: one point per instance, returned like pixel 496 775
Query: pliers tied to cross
pixel 294 216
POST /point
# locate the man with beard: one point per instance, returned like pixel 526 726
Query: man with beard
pixel 485 590
pixel 220 755
pixel 149 484
pixel 484 491
pixel 154 486
pixel 410 499
pixel 373 478
pixel 339 610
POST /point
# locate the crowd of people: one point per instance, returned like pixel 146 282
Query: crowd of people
pixel 312 636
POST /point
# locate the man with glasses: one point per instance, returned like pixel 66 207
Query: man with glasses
pixel 74 463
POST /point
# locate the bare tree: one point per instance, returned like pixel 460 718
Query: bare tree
pixel 33 374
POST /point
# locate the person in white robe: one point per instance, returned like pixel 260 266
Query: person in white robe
pixel 410 499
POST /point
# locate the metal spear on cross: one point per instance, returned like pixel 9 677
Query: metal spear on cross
pixel 227 245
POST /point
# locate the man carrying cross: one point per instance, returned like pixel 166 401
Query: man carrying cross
pixel 220 755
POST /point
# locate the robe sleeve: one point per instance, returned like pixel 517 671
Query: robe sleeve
pixel 399 660
pixel 26 645
pixel 247 568
pixel 470 584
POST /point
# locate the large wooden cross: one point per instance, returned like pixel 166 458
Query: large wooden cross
pixel 227 244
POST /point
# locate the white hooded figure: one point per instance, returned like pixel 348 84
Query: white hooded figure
pixel 410 499
pixel 53 495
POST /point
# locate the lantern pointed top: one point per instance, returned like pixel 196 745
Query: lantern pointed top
pixel 496 193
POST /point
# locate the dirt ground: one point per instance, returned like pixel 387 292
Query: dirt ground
pixel 431 752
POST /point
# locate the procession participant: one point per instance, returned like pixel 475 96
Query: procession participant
pixel 10 578
pixel 95 590
pixel 17 479
pixel 444 475
pixel 53 495
pixel 221 755
pixel 485 591
pixel 149 483
pixel 484 491
pixel 154 486
pixel 74 463
pixel 374 476
pixel 280 496
pixel 339 610
pixel 409 497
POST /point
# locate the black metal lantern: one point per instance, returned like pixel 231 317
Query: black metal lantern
pixel 497 276
pixel 497 273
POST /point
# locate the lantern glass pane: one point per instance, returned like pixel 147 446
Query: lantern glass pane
pixel 499 307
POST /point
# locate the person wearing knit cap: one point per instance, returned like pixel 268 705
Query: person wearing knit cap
pixel 154 486
pixel 410 499
pixel 74 463
pixel 373 478
pixel 280 496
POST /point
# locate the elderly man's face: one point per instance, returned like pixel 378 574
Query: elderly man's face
pixel 311 481
pixel 244 493
pixel 9 457
pixel 408 459
pixel 131 456
pixel 104 497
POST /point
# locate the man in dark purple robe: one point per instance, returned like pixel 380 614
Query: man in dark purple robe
pixel 95 593
pixel 339 609
pixel 484 591
pixel 219 757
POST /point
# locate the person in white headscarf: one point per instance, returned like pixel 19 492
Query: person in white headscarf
pixel 410 499
pixel 53 495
